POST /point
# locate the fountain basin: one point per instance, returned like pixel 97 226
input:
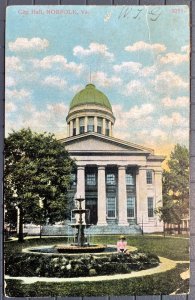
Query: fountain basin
pixel 72 250
pixel 78 249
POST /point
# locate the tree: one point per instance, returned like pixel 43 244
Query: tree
pixel 176 187
pixel 37 177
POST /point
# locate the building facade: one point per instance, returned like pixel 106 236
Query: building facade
pixel 120 181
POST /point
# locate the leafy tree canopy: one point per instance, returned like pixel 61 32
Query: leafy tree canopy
pixel 37 175
pixel 175 187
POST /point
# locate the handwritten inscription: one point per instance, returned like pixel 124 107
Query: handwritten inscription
pixel 153 14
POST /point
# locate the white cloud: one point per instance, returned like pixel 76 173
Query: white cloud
pixel 158 133
pixel 176 119
pixel 50 119
pixel 178 102
pixel 10 81
pixel 182 134
pixel 147 71
pixel 130 66
pixel 94 48
pixel 174 58
pixel 17 94
pixel 135 68
pixel 167 81
pixel 10 107
pixel 55 81
pixel 58 61
pixel 75 88
pixel 132 86
pixel 58 109
pixel 138 112
pixel 135 113
pixel 185 48
pixel 145 47
pixel 135 87
pixel 12 63
pixel 102 79
pixel 23 44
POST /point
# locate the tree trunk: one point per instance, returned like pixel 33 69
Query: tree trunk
pixel 178 228
pixel 164 229
pixel 20 233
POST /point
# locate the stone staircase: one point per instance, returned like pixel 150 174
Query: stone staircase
pixel 93 230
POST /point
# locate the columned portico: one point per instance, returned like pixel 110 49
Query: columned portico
pixel 122 196
pixel 101 196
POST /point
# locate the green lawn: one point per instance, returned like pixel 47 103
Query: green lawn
pixel 173 248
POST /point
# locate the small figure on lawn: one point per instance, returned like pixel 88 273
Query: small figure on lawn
pixel 122 245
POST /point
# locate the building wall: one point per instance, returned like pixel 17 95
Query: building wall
pixel 143 190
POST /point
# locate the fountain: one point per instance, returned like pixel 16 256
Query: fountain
pixel 81 244
pixel 80 259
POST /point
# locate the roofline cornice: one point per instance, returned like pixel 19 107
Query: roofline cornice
pixel 108 138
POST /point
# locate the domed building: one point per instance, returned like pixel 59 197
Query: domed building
pixel 120 181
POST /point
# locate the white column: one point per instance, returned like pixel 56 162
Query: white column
pixel 122 197
pixel 71 128
pixel 158 193
pixel 104 126
pixel 86 122
pixel 68 130
pixel 77 125
pixel 142 202
pixel 110 128
pixel 101 196
pixel 95 124
pixel 81 184
pixel 111 132
pixel 138 208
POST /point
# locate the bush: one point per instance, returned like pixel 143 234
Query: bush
pixel 147 285
pixel 27 264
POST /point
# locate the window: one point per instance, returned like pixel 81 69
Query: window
pixel 74 127
pixel 150 207
pixel 99 125
pixel 81 125
pixel 111 207
pixel 73 179
pixel 130 207
pixel 130 179
pixel 91 179
pixel 90 126
pixel 110 179
pixel 74 131
pixel 107 128
pixel 149 176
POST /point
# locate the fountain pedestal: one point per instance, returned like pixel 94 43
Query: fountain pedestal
pixel 80 246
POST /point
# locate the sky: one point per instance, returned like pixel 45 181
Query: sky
pixel 138 56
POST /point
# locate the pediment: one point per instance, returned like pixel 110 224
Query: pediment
pixel 95 142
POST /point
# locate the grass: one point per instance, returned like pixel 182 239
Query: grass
pixel 173 248
pixel 148 285
pixel 163 283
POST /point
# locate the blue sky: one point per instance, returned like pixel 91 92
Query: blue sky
pixel 138 56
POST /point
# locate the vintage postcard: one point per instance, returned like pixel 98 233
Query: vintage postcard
pixel 96 151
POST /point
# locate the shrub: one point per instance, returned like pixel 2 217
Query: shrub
pixel 27 264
